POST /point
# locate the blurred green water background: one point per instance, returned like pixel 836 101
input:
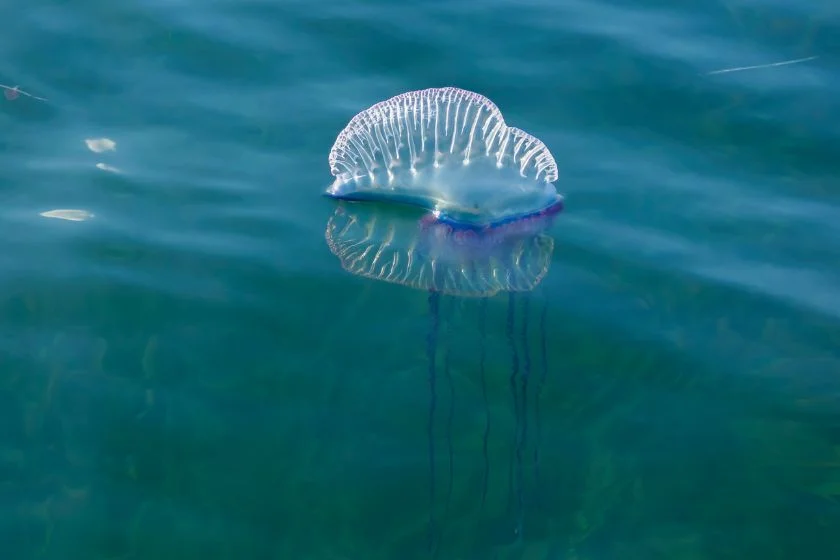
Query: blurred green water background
pixel 191 374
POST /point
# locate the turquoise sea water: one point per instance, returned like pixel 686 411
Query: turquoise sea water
pixel 190 373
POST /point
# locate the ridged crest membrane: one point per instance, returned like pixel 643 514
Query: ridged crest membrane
pixel 444 148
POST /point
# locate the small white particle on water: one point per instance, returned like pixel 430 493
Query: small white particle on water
pixel 100 145
pixel 106 167
pixel 68 214
pixel 12 92
pixel 758 66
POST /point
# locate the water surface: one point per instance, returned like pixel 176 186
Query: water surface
pixel 190 373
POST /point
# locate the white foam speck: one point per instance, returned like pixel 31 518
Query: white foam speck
pixel 106 167
pixel 68 214
pixel 100 145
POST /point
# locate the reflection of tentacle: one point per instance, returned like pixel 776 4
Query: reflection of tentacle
pixel 448 374
pixel 540 385
pixel 526 371
pixel 514 374
pixel 434 304
pixel 482 326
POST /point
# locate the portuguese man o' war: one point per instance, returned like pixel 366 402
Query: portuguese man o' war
pixel 489 195
pixel 447 150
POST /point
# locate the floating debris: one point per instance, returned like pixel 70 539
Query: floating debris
pixel 758 66
pixel 100 145
pixel 12 93
pixel 68 214
pixel 106 167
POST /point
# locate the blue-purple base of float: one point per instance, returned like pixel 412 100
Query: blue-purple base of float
pixel 441 217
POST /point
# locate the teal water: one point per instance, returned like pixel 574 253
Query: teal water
pixel 190 373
